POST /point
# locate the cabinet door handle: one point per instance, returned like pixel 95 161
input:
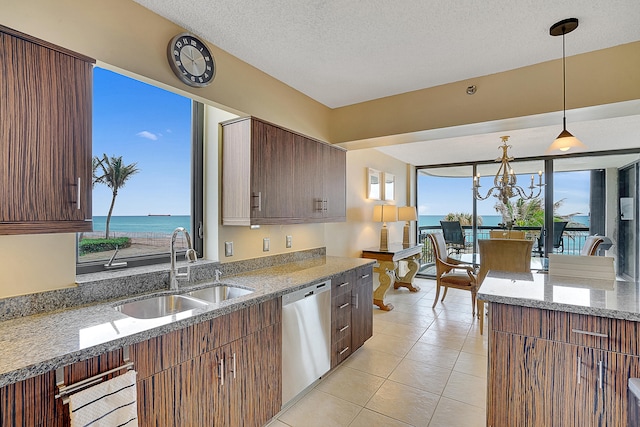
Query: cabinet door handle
pixel 356 298
pixel 343 284
pixel 79 193
pixel 325 205
pixel 346 304
pixel 344 328
pixel 233 366
pixel 319 205
pixel 592 334
pixel 221 371
pixel 257 206
pixel 600 373
pixel 343 351
pixel 579 368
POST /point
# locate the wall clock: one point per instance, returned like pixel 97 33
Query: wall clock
pixel 191 60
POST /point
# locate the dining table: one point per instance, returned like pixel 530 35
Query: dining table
pixel 537 263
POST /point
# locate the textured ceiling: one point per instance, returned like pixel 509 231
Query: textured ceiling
pixel 341 52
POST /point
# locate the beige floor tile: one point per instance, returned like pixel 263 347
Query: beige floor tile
pixel 276 423
pixel 450 413
pixel 372 361
pixel 407 404
pixel 368 418
pixel 443 339
pixel 472 364
pixel 397 346
pixel 413 332
pixel 422 375
pixel 475 344
pixel 351 385
pixel 381 325
pixel 434 355
pixel 421 320
pixel 320 409
pixel 466 388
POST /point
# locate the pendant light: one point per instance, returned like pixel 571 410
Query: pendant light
pixel 565 141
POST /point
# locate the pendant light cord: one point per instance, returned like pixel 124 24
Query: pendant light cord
pixel 564 86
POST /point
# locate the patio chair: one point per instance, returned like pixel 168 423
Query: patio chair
pixel 591 245
pixel 558 244
pixel 453 235
pixel 451 273
pixel 512 255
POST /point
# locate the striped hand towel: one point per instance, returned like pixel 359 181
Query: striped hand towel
pixel 110 403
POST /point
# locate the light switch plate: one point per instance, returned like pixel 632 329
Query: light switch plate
pixel 289 241
pixel 265 244
pixel 228 248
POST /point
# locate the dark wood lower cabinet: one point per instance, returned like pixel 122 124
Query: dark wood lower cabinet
pixel 537 381
pixel 222 372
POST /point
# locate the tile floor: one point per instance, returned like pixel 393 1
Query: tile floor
pixel 423 367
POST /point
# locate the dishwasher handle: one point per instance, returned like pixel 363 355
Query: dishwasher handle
pixel 307 292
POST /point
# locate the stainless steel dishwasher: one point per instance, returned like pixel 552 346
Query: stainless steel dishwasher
pixel 306 338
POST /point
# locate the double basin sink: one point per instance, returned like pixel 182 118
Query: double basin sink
pixel 166 305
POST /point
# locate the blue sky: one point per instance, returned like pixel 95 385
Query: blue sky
pixel 439 196
pixel 151 127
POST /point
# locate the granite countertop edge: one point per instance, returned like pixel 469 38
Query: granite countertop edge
pixel 276 281
pixel 565 307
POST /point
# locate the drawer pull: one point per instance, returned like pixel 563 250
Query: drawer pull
pixel 344 351
pixel 364 276
pixel 345 305
pixel 592 334
pixel 343 284
pixel 344 328
pixel 600 375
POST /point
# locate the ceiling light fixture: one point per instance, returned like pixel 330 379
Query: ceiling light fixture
pixel 565 140
pixel 505 181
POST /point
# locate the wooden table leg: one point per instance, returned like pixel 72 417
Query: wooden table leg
pixel 406 281
pixel 386 275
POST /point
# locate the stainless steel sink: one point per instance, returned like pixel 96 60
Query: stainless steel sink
pixel 160 306
pixel 218 293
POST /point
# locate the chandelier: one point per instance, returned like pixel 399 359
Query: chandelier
pixel 505 183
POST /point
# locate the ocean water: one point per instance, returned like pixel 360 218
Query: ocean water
pixel 488 220
pixel 152 224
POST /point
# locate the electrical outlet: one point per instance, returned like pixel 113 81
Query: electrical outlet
pixel 265 244
pixel 228 248
pixel 289 241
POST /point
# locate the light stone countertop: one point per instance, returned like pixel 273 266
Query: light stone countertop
pixel 35 344
pixel 603 298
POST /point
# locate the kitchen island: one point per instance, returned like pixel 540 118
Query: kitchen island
pixel 225 356
pixel 561 350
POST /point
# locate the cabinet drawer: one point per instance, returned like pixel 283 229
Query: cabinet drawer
pixel 580 329
pixel 342 349
pixel 341 284
pixel 364 274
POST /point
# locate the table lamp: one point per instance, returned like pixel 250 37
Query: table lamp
pixel 384 214
pixel 406 213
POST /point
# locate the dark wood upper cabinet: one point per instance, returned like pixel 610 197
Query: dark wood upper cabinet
pixel 271 175
pixel 45 137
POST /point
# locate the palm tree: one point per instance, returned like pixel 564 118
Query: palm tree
pixel 111 172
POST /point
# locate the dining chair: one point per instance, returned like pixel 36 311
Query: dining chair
pixel 591 245
pixel 511 255
pixel 453 235
pixel 507 234
pixel 558 243
pixel 451 273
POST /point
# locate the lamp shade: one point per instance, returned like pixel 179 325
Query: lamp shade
pixel 407 213
pixel 385 213
pixel 564 142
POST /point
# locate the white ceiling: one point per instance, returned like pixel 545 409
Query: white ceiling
pixel 341 52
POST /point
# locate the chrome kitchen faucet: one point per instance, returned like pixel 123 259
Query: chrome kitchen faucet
pixel 190 255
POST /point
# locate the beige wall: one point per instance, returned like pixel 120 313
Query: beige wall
pixel 359 232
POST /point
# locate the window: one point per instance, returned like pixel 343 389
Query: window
pixel 147 151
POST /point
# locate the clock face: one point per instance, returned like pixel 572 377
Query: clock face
pixel 191 60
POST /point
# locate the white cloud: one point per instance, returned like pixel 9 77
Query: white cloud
pixel 148 135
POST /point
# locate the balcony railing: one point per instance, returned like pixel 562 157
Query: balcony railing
pixel 573 239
